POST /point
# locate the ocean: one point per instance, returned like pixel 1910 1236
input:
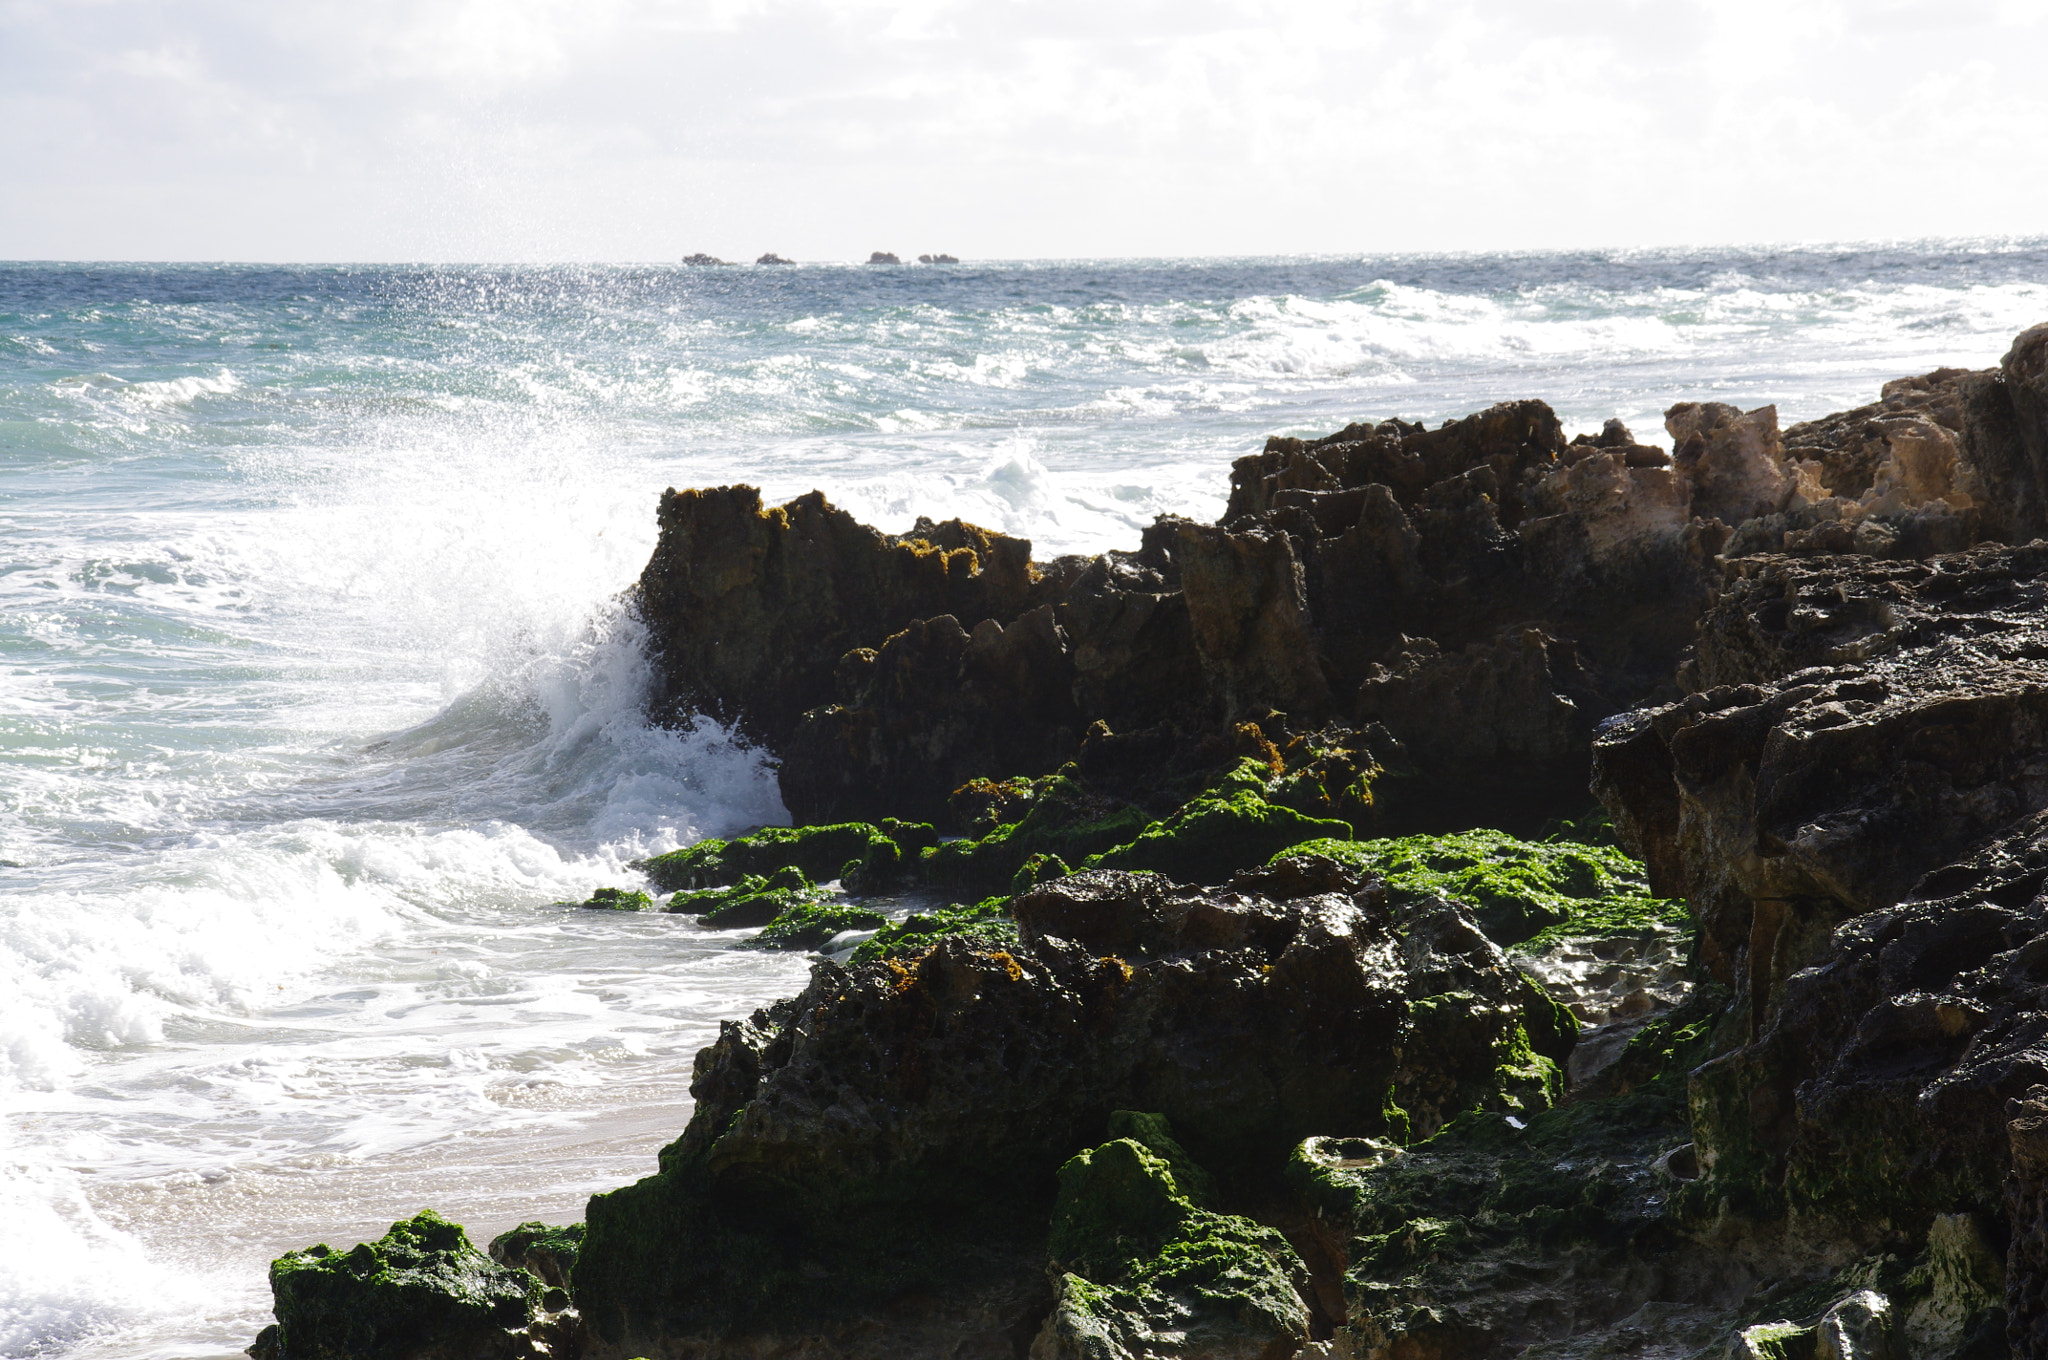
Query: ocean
pixel 317 694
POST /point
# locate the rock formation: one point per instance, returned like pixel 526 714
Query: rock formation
pixel 1209 1069
pixel 1479 595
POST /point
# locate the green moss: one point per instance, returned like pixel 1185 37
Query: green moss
pixel 619 899
pixel 1522 893
pixel 753 901
pixel 1119 1204
pixel 987 922
pixel 1528 1080
pixel 545 1250
pixel 1036 870
pixel 820 852
pixel 1063 819
pixel 1156 1134
pixel 1212 837
pixel 809 925
pixel 1140 1260
pixel 420 1287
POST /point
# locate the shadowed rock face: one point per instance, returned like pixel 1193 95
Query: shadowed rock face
pixel 1855 803
pixel 1857 724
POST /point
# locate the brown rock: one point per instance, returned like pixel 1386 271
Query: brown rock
pixel 749 609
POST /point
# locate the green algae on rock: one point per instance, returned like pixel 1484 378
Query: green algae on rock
pixel 822 853
pixel 1523 893
pixel 986 924
pixel 1144 1271
pixel 422 1291
pixel 542 1249
pixel 1231 827
pixel 753 901
pixel 809 925
pixel 618 899
pixel 1062 819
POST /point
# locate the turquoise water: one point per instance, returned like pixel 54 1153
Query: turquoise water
pixel 315 692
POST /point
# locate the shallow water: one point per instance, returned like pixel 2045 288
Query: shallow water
pixel 315 694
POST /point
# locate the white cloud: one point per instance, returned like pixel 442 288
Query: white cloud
pixel 824 128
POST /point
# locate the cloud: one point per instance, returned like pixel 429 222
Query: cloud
pixel 627 129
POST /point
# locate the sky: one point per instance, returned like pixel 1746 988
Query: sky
pixel 585 130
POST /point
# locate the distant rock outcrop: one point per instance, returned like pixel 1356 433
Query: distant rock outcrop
pixel 772 258
pixel 883 257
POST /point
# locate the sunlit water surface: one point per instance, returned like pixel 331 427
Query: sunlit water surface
pixel 315 694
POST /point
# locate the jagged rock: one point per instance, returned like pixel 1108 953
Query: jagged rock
pixel 1248 609
pixel 843 1140
pixel 888 670
pixel 929 711
pixel 750 608
pixel 1733 462
pixel 2005 436
pixel 1879 1031
pixel 1910 437
pixel 1498 713
pixel 1855 725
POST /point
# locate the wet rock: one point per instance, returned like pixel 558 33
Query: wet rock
pixel 542 1250
pixel 842 1141
pixel 617 899
pixel 819 853
pixel 421 1292
pixel 1504 1233
pixel 749 608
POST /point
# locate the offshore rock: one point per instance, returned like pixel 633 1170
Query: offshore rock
pixel 844 1141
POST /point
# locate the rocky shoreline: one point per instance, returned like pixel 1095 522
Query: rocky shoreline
pixel 1220 953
